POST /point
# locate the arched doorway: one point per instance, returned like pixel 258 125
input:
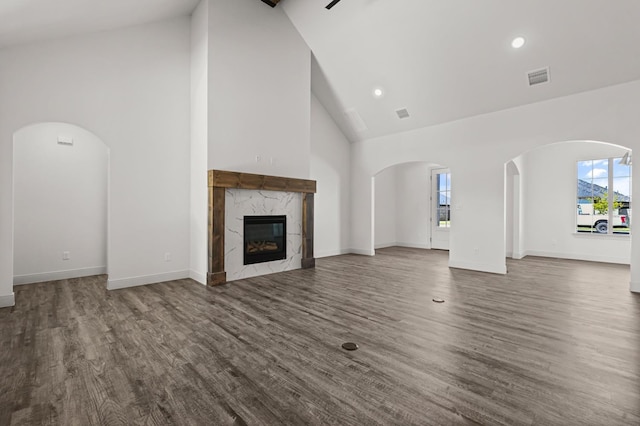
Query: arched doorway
pixel 405 205
pixel 60 203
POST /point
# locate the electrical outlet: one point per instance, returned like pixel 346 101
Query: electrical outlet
pixel 258 159
pixel 167 257
pixel 66 255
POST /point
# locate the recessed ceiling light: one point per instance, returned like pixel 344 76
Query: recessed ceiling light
pixel 378 92
pixel 517 42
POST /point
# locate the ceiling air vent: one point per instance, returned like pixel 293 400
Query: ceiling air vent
pixel 402 113
pixel 538 76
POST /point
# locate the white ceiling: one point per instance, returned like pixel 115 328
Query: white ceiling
pixel 441 59
pixel 24 21
pixel 448 59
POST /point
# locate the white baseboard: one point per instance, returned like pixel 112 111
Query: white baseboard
pixel 146 279
pixel 7 300
pixel 477 266
pixel 403 244
pixel 414 245
pixel 198 277
pixel 327 253
pixel 579 256
pixel 58 275
pixel 384 245
pixel 362 252
pixel 518 254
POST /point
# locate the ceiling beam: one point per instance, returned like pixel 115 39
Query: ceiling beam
pixel 271 3
pixel 333 3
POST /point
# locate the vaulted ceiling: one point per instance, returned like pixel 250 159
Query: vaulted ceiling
pixel 24 21
pixel 439 60
pixel 445 60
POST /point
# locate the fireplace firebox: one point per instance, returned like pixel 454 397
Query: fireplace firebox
pixel 265 238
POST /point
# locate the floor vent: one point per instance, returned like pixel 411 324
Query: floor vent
pixel 402 113
pixel 538 76
pixel 350 346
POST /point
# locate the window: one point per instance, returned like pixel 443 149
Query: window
pixel 443 187
pixel 598 207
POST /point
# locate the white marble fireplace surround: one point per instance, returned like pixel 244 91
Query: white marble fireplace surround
pixel 249 202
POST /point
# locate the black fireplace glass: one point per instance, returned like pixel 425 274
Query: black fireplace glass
pixel 265 238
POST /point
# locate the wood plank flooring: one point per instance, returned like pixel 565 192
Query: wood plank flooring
pixel 553 342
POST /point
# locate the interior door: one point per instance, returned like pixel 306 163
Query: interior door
pixel 440 208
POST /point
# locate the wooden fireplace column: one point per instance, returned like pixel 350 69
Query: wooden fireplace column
pixel 220 180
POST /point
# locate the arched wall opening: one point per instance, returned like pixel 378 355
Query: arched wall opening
pixel 477 149
pixel 61 203
pixel 541 190
pixel 401 207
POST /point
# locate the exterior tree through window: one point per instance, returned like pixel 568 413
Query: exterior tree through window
pixel 604 196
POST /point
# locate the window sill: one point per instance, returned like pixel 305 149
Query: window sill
pixel 601 236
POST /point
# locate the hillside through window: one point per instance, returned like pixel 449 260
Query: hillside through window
pixel 604 197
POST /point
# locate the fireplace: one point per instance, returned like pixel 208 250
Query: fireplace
pixel 221 181
pixel 265 238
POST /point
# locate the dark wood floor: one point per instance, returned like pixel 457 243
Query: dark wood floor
pixel 551 343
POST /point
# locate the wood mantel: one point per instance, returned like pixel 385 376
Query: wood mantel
pixel 220 180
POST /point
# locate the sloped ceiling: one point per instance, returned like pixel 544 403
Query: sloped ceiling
pixel 25 21
pixel 441 59
pixel 446 60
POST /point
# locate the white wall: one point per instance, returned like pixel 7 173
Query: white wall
pixel 199 140
pixel 476 150
pixel 510 211
pixel 402 205
pixel 329 167
pixel 130 87
pixel 549 198
pixel 259 81
pixel 60 203
pixel 412 204
pixel 385 208
pixel 519 212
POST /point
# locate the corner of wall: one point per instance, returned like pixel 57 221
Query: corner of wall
pixel 8 300
pixel 384 245
pixel 479 267
pixel 198 277
pixel 329 253
pixel 146 279
pixel 362 252
pixel 519 255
